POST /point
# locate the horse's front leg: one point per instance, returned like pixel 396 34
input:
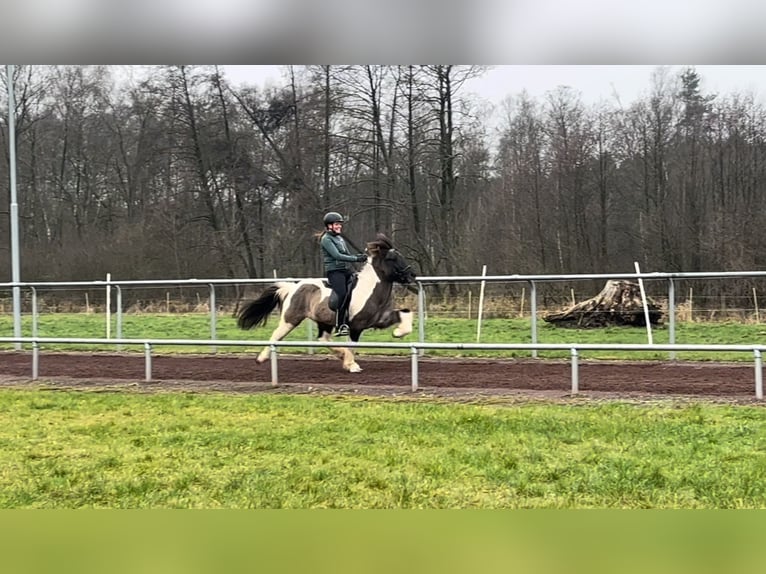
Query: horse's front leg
pixel 349 359
pixel 404 319
pixel 345 354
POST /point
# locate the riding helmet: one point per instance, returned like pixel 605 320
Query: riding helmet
pixel 333 217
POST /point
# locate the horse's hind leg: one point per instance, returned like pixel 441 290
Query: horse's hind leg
pixel 279 333
pixel 326 337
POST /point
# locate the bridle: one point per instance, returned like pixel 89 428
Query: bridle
pixel 400 275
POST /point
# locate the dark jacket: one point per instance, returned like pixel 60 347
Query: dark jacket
pixel 335 253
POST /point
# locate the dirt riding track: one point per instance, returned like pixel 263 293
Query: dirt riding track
pixel 457 378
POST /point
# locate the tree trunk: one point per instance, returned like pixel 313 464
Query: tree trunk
pixel 618 303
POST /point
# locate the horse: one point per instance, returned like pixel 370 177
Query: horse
pixel 370 307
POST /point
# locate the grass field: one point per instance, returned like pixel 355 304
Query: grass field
pixel 79 449
pixel 444 330
pixel 129 450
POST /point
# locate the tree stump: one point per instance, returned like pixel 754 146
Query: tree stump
pixel 618 303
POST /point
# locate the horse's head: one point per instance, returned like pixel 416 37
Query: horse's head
pixel 390 263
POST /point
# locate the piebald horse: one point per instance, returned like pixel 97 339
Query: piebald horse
pixel 370 307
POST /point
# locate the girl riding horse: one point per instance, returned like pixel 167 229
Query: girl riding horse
pixel 337 267
pixel 370 306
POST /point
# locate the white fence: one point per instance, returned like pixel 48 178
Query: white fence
pixel 416 348
pixel 415 351
pixel 532 281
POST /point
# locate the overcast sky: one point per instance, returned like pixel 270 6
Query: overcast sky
pixel 594 82
pixel 307 31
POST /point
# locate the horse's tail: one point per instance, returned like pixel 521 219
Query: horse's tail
pixel 257 312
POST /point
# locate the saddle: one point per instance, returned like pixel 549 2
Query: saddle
pixel 350 284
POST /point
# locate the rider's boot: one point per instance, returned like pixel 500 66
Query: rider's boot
pixel 341 326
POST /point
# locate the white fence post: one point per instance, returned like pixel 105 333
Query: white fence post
pixel 646 308
pixel 481 304
pixel 108 306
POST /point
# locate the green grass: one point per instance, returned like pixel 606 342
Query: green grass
pixel 130 450
pixel 444 330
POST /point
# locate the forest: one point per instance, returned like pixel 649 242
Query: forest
pixel 176 173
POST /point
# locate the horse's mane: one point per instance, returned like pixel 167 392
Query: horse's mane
pixel 381 243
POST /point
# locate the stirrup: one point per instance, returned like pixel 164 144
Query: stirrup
pixel 342 330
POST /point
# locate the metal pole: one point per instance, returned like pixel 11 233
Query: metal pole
pixel 15 273
pixel 758 374
pixel 35 312
pixel 481 304
pixel 421 316
pixel 148 362
pixel 35 361
pixel 119 314
pixel 533 314
pixel 108 318
pixel 213 317
pixel 274 366
pixel 643 302
pixel 414 362
pixel 672 316
pixel 575 372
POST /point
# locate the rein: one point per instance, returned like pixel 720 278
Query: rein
pixel 351 243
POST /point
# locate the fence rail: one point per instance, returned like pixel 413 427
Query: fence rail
pixel 416 350
pixel 528 280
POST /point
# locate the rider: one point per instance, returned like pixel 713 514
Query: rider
pixel 337 268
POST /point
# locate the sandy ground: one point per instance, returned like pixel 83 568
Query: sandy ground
pixel 461 379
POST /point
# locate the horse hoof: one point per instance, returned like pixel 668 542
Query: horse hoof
pixel 355 368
